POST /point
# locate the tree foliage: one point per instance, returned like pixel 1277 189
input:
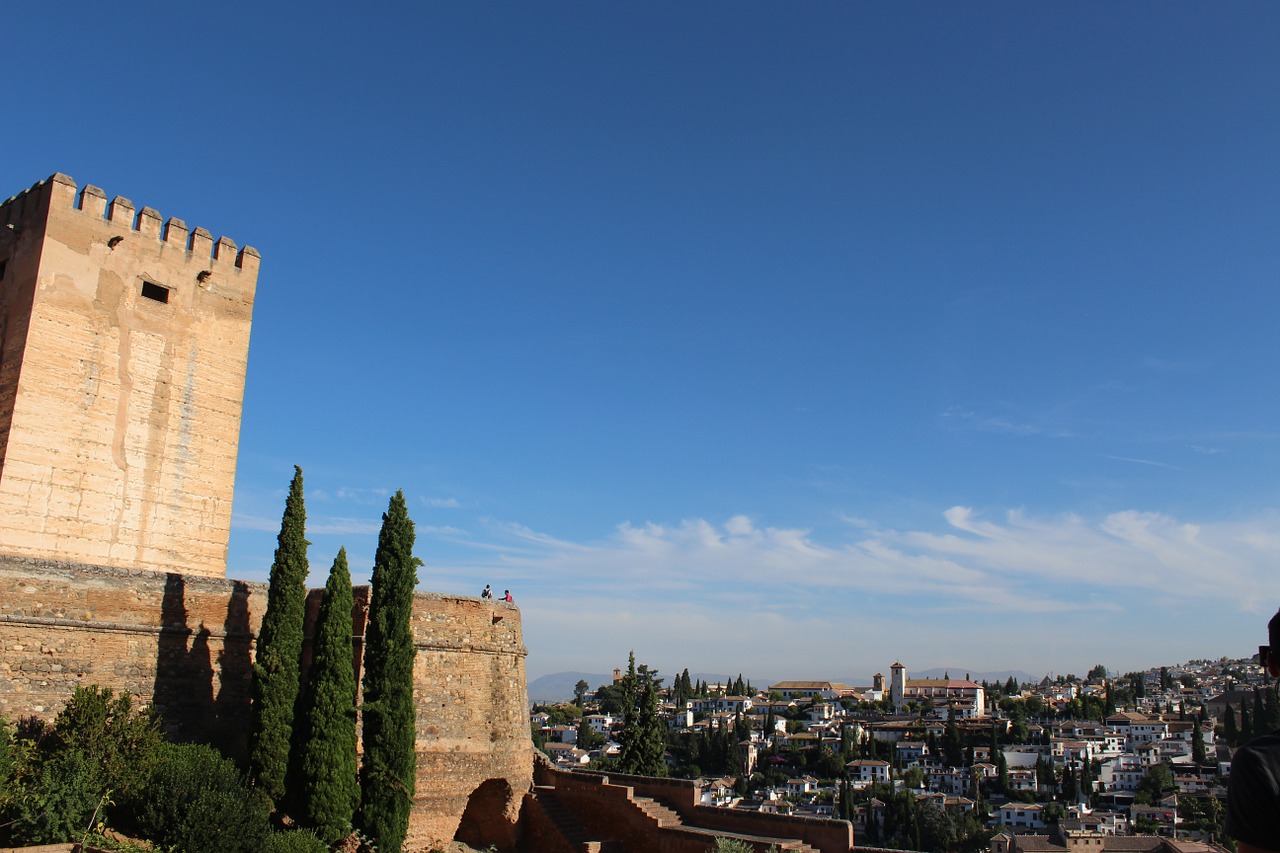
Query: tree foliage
pixel 643 740
pixel 279 650
pixel 1154 783
pixel 387 775
pixel 328 785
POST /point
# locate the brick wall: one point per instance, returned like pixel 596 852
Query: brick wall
pixel 186 643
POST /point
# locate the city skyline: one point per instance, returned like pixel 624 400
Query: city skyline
pixel 816 338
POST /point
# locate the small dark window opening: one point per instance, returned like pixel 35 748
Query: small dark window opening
pixel 3 263
pixel 154 291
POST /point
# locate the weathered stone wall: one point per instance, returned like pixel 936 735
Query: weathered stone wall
pixel 183 642
pixel 125 342
pixel 472 714
pixel 186 643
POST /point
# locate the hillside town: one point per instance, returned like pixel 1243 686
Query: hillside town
pixel 1137 761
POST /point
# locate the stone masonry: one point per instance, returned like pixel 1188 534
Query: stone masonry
pixel 123 347
pixel 186 644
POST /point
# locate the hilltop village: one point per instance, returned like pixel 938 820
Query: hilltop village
pixel 949 763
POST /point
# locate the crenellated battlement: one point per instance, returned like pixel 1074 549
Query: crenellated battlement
pixel 123 356
pixel 121 217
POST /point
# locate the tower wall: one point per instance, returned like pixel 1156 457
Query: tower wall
pixel 124 342
pixel 898 685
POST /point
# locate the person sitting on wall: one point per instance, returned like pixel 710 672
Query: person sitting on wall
pixel 1253 791
pixel 506 596
pixel 488 593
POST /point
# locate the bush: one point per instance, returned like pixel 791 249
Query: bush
pixel 298 841
pixel 6 756
pixel 198 802
pixel 53 797
pixel 108 730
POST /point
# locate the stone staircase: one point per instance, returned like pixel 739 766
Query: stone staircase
pixel 564 821
pixel 663 818
pixel 660 814
pixel 666 818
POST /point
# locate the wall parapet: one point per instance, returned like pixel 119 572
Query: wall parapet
pixel 131 223
pixel 682 797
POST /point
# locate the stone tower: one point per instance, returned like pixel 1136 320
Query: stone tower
pixel 123 347
pixel 898 685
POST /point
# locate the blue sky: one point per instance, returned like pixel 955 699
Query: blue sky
pixel 789 339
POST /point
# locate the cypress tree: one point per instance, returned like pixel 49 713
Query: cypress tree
pixel 1229 730
pixel 1246 727
pixel 387 775
pixel 329 784
pixel 1259 714
pixel 279 650
pixel 1199 754
pixel 643 738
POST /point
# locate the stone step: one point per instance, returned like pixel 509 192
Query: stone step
pixel 660 813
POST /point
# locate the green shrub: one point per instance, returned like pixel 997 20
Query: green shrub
pixel 107 729
pixel 198 802
pixel 297 841
pixel 6 756
pixel 53 797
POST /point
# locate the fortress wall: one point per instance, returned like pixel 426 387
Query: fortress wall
pixel 121 418
pixel 185 642
pixel 472 715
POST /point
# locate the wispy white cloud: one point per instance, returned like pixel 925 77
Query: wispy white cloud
pixel 343 526
pixel 779 593
pixel 958 416
pixel 316 525
pixel 1165 365
pixel 997 575
pixel 441 503
pixel 1137 461
pixel 241 521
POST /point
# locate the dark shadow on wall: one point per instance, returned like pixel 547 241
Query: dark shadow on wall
pixel 235 676
pixel 183 695
pixel 184 688
pixel 490 817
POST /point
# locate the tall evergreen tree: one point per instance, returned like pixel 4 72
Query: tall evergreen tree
pixel 1229 730
pixel 1199 754
pixel 279 650
pixel 1259 714
pixel 387 774
pixel 1070 785
pixel 643 739
pixel 952 746
pixel 1246 724
pixel 329 783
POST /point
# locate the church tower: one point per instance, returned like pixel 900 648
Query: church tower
pixel 898 685
pixel 123 346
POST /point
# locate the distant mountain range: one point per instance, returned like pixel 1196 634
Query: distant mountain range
pixel 558 686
